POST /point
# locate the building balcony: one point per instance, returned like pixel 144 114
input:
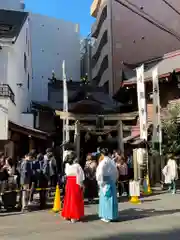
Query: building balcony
pixel 97 75
pixel 6 92
pixel 97 41
pixel 96 50
pixel 102 15
pixel 98 64
pixel 104 78
pixel 95 7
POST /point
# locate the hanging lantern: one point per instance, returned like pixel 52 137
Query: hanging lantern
pixel 87 137
pixel 99 139
pixel 109 136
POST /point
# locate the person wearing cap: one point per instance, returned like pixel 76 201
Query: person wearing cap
pixel 73 208
pixel 106 176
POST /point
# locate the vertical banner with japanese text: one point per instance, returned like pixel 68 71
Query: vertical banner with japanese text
pixel 141 102
pixel 65 108
pixel 157 131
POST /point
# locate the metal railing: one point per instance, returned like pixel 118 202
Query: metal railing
pixel 6 91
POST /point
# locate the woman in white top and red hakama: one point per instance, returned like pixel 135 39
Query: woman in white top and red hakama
pixel 73 208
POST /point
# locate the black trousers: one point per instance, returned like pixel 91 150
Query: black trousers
pixel 53 181
pixel 43 183
pixel 91 189
pixel 33 185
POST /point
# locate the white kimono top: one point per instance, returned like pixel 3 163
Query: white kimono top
pixel 75 170
pixel 106 168
pixel 170 171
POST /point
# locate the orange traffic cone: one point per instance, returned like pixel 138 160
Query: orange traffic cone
pixel 147 187
pixel 57 200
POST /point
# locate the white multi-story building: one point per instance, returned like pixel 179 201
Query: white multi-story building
pixel 31 47
pixel 17 135
pixel 15 67
pixel 53 40
pixel 17 5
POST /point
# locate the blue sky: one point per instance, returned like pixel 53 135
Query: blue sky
pixel 77 11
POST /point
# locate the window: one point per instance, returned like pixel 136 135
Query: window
pixel 28 82
pixel 25 62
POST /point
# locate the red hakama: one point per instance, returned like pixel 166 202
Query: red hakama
pixel 73 202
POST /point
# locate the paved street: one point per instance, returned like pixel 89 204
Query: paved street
pixel 158 217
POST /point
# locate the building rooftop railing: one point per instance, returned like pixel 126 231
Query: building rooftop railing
pixel 6 91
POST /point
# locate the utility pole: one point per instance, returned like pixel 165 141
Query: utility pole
pixel 89 55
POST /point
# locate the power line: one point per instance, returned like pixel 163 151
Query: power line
pixel 152 18
pixel 171 6
pixel 149 20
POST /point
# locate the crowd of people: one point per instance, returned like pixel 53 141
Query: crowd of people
pixel 34 170
pixel 99 178
pixel 102 175
pixel 125 173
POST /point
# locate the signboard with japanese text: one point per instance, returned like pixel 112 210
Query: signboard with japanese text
pixel 141 102
pixel 157 132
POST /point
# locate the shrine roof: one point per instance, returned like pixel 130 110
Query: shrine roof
pixel 83 106
pixel 81 95
pixel 166 65
pixel 81 99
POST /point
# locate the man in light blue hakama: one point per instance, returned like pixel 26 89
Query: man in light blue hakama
pixel 106 176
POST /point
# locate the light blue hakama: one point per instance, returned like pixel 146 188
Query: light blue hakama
pixel 108 202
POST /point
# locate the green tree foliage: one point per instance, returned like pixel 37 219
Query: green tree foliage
pixel 171 130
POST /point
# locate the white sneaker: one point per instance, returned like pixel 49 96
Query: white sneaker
pixel 124 194
pixel 73 220
pixel 105 220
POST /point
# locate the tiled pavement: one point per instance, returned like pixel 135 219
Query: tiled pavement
pixel 157 217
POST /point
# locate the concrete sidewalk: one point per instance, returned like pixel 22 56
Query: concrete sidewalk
pixel 156 217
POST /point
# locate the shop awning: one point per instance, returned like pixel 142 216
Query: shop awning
pixel 166 65
pixel 28 131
